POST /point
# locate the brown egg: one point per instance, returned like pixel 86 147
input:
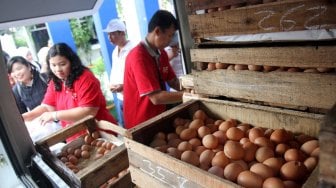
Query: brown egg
pixel 225 125
pixel 274 163
pixel 230 67
pixel 88 139
pixel 255 133
pixel 184 146
pixel 249 179
pixel 179 129
pixel 293 170
pixel 70 150
pixel 323 69
pixel 190 157
pixel 216 170
pixel 235 134
pixel 244 140
pixel 310 163
pixel 213 128
pixel 95 135
pixel 302 138
pixel 220 160
pixel 99 143
pixel 280 136
pixel 209 121
pixel 108 145
pixel 210 141
pixel 244 127
pixel 294 69
pixel 171 136
pixel 160 135
pixel 221 65
pixel 254 67
pixel 174 142
pixel 316 152
pixel 269 68
pixel 263 141
pixel 249 150
pixel 241 163
pixel 196 123
pixel 264 153
pixel 85 154
pixel 221 137
pixel 206 158
pixel 280 149
pixel 77 153
pixel 174 152
pixel 73 159
pixel 195 142
pixel 218 122
pixel 188 134
pixel 262 170
pixel 234 150
pixel 240 67
pixel 294 155
pixel 202 131
pixel 211 66
pixel 159 148
pixel 101 150
pixel 200 114
pixel 311 70
pixel 199 149
pixel 154 143
pixel 273 182
pixel 309 146
pixel 232 170
pixel 64 159
pixel 178 122
pixel 291 184
pixel 268 133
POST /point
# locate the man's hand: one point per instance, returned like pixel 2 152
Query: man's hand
pixel 116 88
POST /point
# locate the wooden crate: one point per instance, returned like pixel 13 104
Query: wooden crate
pixel 300 89
pixel 216 18
pixel 152 168
pixel 92 173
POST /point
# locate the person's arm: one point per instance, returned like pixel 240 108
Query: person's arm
pixel 165 97
pixel 36 112
pixel 175 84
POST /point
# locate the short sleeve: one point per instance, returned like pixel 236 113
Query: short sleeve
pixel 87 90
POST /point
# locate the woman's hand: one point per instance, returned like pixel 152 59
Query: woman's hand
pixel 45 118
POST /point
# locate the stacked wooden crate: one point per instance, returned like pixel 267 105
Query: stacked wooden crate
pixel 109 169
pixel 294 94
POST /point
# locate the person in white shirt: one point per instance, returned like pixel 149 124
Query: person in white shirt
pixel 27 54
pixel 116 31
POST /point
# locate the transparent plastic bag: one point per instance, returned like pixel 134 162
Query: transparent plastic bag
pixel 37 131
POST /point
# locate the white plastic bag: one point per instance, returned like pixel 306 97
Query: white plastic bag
pixel 37 131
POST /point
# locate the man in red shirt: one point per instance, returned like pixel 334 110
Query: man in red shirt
pixel 147 70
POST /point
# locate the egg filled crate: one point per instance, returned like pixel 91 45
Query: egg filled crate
pixel 98 158
pixel 181 149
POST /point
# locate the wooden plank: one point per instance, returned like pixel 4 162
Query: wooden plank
pixel 289 56
pixel 194 5
pixel 281 16
pixel 169 170
pixel 142 180
pixel 124 182
pixel 300 89
pixel 105 125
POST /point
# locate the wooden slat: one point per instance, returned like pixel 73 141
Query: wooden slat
pixel 289 56
pixel 170 171
pixel 193 5
pixel 142 180
pixel 113 127
pixel 300 89
pixel 280 16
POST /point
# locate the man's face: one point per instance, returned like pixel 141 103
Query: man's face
pixel 115 37
pixel 163 38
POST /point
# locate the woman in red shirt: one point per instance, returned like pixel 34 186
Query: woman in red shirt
pixel 73 91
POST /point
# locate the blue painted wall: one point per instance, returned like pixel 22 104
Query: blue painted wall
pixel 60 31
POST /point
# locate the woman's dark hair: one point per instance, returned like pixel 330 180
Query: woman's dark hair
pixel 18 59
pixel 76 66
pixel 162 19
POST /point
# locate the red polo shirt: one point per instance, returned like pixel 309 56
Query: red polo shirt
pixel 140 79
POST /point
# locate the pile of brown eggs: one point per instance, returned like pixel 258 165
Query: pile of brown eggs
pixel 266 68
pixel 247 155
pixel 114 179
pixel 93 148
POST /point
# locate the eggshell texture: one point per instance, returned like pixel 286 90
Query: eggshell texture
pixel 244 140
pixel 188 134
pixel 174 152
pixel 240 67
pixel 156 143
pixel 280 136
pixel 234 150
pixel 316 152
pixel 221 65
pixel 294 155
pixel 254 67
pixel 221 137
pixel 293 170
pixel 280 149
pixel 264 153
pixel 235 134
pixel 211 66
pixel 184 146
pixel 254 133
pixel 262 170
pixel 232 170
pixel 190 157
pixel 263 141
pixel 310 146
pixel 302 138
pixel 249 179
pixel 179 129
pixel 273 182
pixel 220 159
pixel 250 150
pixel 203 131
pixel 196 123
pixel 310 163
pixel 225 125
pixel 171 136
pixel 274 163
pixel 199 149
pixel 195 142
pixel 200 114
pixel 206 157
pixel 210 141
pixel 216 170
pixel 174 142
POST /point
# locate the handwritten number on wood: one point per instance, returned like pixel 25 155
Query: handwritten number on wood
pixel 269 13
pixel 291 23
